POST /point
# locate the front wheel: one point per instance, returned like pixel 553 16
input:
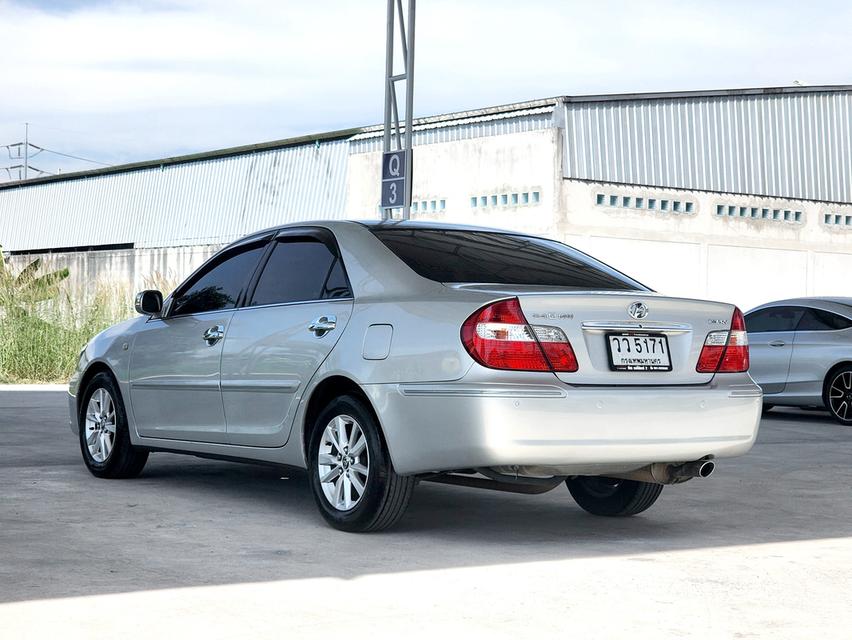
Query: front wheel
pixel 611 496
pixel 352 478
pixel 838 395
pixel 104 436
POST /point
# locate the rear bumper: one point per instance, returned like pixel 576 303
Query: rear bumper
pixel 448 426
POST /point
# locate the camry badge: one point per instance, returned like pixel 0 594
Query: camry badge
pixel 638 310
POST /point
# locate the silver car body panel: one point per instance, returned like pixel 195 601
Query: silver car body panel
pixel 398 339
pixel 791 366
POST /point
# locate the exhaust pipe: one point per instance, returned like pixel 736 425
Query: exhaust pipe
pixel 698 469
pixel 664 473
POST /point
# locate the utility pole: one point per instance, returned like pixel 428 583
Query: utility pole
pixel 397 162
pixel 26 149
pixel 21 151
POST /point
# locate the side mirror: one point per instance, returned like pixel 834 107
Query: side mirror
pixel 149 302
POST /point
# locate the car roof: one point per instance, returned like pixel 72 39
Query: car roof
pixel 837 304
pixel 376 224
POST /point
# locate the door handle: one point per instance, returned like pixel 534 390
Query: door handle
pixel 214 334
pixel 777 343
pixel 323 325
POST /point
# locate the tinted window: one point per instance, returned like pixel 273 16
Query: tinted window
pixel 447 255
pixel 299 270
pixel 820 320
pixel 774 319
pixel 220 285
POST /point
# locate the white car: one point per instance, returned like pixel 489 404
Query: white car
pixel 375 355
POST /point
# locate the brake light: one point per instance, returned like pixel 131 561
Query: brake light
pixel 499 337
pixel 726 351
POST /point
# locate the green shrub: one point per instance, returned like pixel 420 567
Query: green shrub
pixel 43 331
pixel 44 347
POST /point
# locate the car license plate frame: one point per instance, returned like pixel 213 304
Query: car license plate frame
pixel 636 344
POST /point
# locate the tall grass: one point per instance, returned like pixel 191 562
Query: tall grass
pixel 41 343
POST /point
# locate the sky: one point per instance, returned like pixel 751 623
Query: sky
pixel 120 82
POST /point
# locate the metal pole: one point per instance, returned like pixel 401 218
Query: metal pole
pixel 388 81
pixel 393 141
pixel 26 149
pixel 409 107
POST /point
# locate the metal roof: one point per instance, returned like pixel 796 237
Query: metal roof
pixel 788 142
pixel 538 107
pixel 202 202
pixel 793 142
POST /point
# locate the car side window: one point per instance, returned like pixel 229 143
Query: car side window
pixel 300 270
pixel 821 320
pixel 220 285
pixel 773 319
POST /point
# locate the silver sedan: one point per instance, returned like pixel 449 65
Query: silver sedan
pixel 802 353
pixel 378 355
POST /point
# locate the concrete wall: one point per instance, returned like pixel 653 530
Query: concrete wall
pixel 702 254
pixel 120 274
pixel 457 171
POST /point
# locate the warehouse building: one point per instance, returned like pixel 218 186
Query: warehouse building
pixel 741 195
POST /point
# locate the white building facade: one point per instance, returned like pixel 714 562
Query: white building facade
pixel 743 196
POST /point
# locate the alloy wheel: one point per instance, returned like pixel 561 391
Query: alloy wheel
pixel 343 462
pixel 100 425
pixel 840 396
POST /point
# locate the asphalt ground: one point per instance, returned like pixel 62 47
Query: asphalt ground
pixel 200 548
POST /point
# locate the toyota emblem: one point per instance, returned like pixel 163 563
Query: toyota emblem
pixel 638 310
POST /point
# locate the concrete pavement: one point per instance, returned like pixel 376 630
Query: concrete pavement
pixel 214 549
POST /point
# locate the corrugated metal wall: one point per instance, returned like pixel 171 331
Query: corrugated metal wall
pixel 202 202
pixel 793 145
pixel 451 130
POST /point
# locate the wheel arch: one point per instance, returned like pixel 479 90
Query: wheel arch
pixel 329 388
pixel 96 367
pixel 829 374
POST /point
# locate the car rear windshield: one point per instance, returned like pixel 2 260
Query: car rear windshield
pixel 455 256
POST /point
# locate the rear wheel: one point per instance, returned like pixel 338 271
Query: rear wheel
pixel 104 436
pixel 838 394
pixel 611 496
pixel 352 478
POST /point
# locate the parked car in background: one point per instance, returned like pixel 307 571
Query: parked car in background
pixel 376 355
pixel 801 353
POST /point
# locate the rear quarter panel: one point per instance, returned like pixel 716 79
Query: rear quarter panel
pixel 814 354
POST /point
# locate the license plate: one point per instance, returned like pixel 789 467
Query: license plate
pixel 638 352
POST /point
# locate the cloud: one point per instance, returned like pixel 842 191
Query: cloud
pixel 149 79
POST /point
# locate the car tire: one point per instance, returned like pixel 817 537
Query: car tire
pixel 838 394
pixel 611 496
pixel 104 435
pixel 767 408
pixel 355 488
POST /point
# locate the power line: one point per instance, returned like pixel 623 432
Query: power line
pixel 70 155
pixel 26 150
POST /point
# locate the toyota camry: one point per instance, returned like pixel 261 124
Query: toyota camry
pixel 379 355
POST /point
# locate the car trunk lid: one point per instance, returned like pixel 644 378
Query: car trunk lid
pixel 605 336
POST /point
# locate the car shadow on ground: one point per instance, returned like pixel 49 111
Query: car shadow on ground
pixel 190 522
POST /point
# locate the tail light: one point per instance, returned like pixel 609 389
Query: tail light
pixel 499 337
pixel 726 351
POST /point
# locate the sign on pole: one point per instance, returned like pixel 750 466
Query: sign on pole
pixel 396 165
pixel 395 176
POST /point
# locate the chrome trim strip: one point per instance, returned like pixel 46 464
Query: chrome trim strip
pixel 600 327
pixel 176 385
pixel 260 386
pixel 293 304
pixel 495 391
